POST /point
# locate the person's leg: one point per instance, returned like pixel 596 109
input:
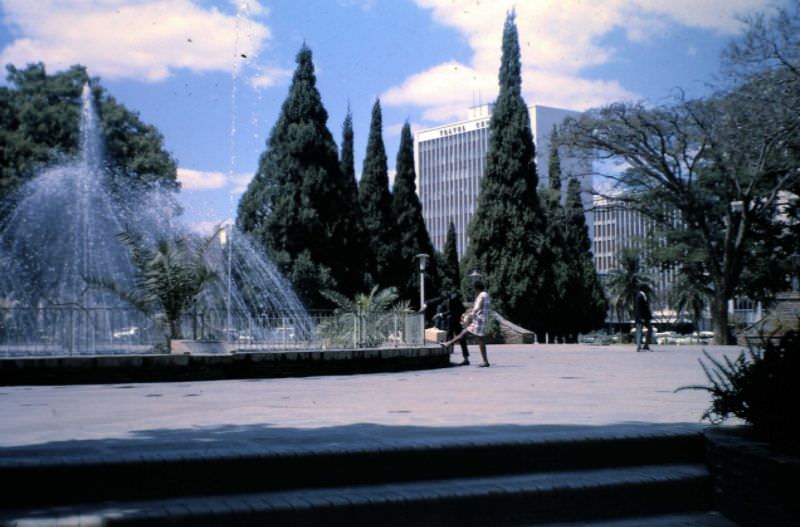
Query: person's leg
pixel 464 351
pixel 649 337
pixel 462 342
pixel 455 339
pixel 639 335
pixel 482 347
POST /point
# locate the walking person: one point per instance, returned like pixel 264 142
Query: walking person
pixel 643 317
pixel 449 309
pixel 455 308
pixel 478 319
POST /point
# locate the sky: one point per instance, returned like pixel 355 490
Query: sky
pixel 211 75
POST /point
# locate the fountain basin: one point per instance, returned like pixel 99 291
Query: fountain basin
pixel 239 364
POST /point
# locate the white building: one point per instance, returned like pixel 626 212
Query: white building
pixel 617 227
pixel 450 161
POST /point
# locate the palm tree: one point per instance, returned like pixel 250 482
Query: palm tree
pixel 624 282
pixel 366 320
pixel 168 278
pixel 688 294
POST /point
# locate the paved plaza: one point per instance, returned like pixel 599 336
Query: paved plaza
pixel 529 387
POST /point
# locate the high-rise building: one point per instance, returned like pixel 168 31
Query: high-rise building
pixel 450 161
pixel 616 227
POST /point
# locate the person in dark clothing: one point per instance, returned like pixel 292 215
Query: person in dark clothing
pixel 643 317
pixel 456 309
pixel 448 318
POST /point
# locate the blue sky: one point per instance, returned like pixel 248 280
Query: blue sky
pixel 211 75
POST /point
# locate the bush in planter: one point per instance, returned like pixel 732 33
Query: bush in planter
pixel 760 387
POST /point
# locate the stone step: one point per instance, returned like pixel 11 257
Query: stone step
pixel 509 500
pixel 73 474
pixel 698 519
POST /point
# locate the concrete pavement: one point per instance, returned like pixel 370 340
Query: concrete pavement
pixel 549 387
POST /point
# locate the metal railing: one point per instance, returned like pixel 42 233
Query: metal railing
pixel 73 330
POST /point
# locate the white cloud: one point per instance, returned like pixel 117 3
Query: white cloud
pixel 268 77
pixel 239 182
pixel 200 180
pixel 558 41
pixel 394 130
pixel 139 39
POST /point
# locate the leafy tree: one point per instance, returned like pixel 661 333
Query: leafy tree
pixel 412 233
pixel 293 204
pixel 721 164
pixel 380 223
pixel 507 231
pixel 39 123
pixel 722 185
pixel 448 266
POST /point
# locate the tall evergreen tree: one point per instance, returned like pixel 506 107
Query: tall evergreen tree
pixel 292 204
pixel 584 298
pixel 554 164
pixel 376 207
pixel 507 244
pixel 354 250
pixel 557 319
pixel 448 268
pixel 412 233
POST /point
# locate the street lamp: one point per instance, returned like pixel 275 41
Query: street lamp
pixel 475 276
pixel 226 240
pixel 423 260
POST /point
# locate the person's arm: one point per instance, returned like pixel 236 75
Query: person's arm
pixel 478 306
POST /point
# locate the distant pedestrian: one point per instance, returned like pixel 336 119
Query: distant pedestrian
pixel 643 317
pixel 476 320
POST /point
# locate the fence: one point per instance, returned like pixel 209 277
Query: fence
pixel 76 330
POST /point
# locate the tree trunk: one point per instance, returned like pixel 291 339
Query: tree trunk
pixel 720 318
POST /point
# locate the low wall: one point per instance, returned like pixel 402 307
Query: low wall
pixel 753 486
pixel 236 365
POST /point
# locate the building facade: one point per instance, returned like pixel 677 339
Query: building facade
pixel 450 161
pixel 618 227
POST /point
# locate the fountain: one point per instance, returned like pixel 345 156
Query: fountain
pixel 62 234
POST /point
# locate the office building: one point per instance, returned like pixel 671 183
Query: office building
pixel 617 227
pixel 450 161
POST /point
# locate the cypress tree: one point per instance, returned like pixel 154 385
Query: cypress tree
pixel 291 205
pixel 585 301
pixel 557 319
pixel 451 276
pixel 507 243
pixel 412 233
pixel 354 252
pixel 376 207
pixel 554 164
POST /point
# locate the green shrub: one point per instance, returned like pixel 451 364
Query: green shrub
pixel 760 387
pixel 494 333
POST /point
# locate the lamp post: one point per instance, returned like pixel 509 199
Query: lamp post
pixel 474 275
pixel 226 240
pixel 423 260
